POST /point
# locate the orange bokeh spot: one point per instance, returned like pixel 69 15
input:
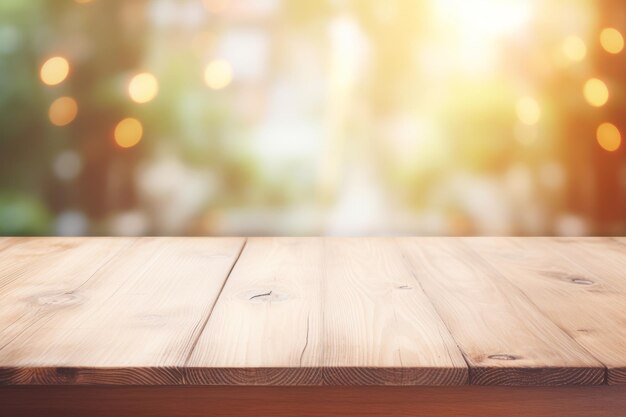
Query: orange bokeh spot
pixel 63 111
pixel 609 137
pixel 128 132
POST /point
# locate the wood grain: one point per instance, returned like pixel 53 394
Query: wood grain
pixel 324 311
pixel 379 326
pixel 264 328
pixel 604 259
pixel 312 311
pixel 506 340
pixel 237 401
pixel 589 304
pixel 6 242
pixel 133 320
pixel 37 276
pixel 46 261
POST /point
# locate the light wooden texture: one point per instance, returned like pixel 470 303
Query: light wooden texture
pixel 37 276
pixel 506 340
pixel 244 401
pixel 324 311
pixel 606 259
pixel 589 304
pixel 379 326
pixel 264 328
pixel 313 311
pixel 6 242
pixel 132 319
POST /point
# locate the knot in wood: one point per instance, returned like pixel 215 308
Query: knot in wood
pixel 502 357
pixel 58 299
pixel 581 281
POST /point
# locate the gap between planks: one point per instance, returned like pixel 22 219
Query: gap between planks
pixel 113 331
pixel 219 294
pixel 203 323
pixel 330 311
pixel 573 295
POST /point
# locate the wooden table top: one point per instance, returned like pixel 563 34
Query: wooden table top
pixel 313 311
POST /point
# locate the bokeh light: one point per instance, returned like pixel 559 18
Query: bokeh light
pixel 442 117
pixel 54 71
pixel 63 111
pixel 596 92
pixel 218 74
pixel 574 48
pixel 128 132
pixel 612 40
pixel 609 137
pixel 528 111
pixel 143 87
pixel 216 6
pixel 67 165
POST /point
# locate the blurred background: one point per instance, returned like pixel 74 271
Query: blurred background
pixel 326 117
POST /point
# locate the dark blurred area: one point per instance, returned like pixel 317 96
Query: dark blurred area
pixel 296 117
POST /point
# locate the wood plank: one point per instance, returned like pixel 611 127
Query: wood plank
pixel 352 312
pixel 39 272
pixel 584 304
pixel 6 242
pixel 311 311
pixel 605 257
pixel 601 263
pixel 238 401
pixel 379 326
pixel 264 328
pixel 41 261
pixel 133 322
pixel 505 339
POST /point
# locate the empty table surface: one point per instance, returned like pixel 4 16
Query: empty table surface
pixel 313 311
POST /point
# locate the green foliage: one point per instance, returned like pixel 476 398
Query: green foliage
pixel 22 214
